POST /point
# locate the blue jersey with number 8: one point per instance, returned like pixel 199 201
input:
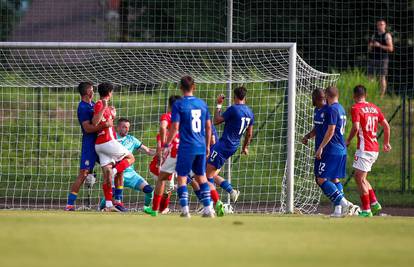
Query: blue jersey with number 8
pixel 237 118
pixel 192 114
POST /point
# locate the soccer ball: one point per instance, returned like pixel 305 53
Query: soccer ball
pixel 354 210
pixel 228 209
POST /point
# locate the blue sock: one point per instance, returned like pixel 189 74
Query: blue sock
pixel 205 194
pixel 211 180
pixel 226 186
pixel 198 194
pixel 118 193
pixel 72 198
pixel 330 190
pixel 183 195
pixel 340 187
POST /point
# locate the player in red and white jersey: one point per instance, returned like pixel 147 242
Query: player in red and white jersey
pixel 163 166
pixel 114 158
pixel 365 119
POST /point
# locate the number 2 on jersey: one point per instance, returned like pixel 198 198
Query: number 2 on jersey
pixel 196 120
pixel 244 124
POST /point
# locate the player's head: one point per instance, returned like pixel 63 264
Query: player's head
pixel 240 93
pixel 381 25
pixel 86 89
pixel 105 90
pixel 187 84
pixel 332 94
pixel 318 98
pixel 360 92
pixel 123 126
pixel 172 99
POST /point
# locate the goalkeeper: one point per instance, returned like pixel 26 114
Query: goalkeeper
pixel 131 178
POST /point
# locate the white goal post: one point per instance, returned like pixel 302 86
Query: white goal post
pixel 44 75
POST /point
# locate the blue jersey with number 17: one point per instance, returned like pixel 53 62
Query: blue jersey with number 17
pixel 335 115
pixel 237 118
pixel 192 114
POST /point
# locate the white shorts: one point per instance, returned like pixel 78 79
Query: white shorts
pixel 111 152
pixel 168 165
pixel 364 163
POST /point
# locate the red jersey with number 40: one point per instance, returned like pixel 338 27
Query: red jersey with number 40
pixel 368 115
pixel 106 134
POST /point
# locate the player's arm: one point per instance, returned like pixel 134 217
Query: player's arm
pixel 90 128
pixel 99 111
pixel 208 136
pixel 172 133
pixel 328 136
pixel 353 132
pixel 147 150
pixel 247 140
pixel 387 135
pixel 308 136
pixel 163 137
pixel 389 47
pixel 218 118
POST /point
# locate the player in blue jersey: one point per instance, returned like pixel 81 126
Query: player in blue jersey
pixel 238 119
pixel 330 147
pixel 88 154
pixel 190 116
pixel 131 179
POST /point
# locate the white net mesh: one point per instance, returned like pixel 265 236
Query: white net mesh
pixel 40 140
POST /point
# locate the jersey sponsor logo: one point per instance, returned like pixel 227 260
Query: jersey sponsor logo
pixel 87 162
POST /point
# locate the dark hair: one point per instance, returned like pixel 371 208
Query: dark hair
pixel 360 90
pixel 104 89
pixel 331 91
pixel 186 83
pixel 83 86
pixel 172 99
pixel 240 92
pixel 123 120
pixel 381 19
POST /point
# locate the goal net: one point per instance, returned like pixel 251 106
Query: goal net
pixel 41 139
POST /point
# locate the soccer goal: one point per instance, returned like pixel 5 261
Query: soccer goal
pixel 40 136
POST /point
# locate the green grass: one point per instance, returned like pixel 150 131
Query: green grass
pixel 43 239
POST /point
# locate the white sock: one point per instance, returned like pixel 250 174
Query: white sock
pixel 114 172
pixel 108 203
pixel 185 210
pixel 344 202
pixel 207 210
pixel 338 209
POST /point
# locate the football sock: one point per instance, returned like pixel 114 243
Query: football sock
pixel 332 192
pixel 108 194
pixel 211 180
pixel 165 201
pixel 183 196
pixel 226 186
pixel 72 198
pixel 372 197
pixel 118 193
pixel 205 194
pixel 340 187
pixel 198 194
pixel 214 196
pixel 365 202
pixel 149 192
pixel 156 202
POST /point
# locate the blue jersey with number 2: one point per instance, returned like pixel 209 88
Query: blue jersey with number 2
pixel 192 114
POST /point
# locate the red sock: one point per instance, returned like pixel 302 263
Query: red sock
pixel 122 165
pixel 365 202
pixel 165 201
pixel 107 192
pixel 214 196
pixel 156 202
pixel 372 196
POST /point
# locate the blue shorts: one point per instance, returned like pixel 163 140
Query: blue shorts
pixel 133 180
pixel 187 162
pixel 218 155
pixel 330 166
pixel 88 156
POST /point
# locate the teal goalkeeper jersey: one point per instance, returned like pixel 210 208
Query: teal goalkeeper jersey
pixel 131 143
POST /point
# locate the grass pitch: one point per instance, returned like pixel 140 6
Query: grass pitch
pixel 32 238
